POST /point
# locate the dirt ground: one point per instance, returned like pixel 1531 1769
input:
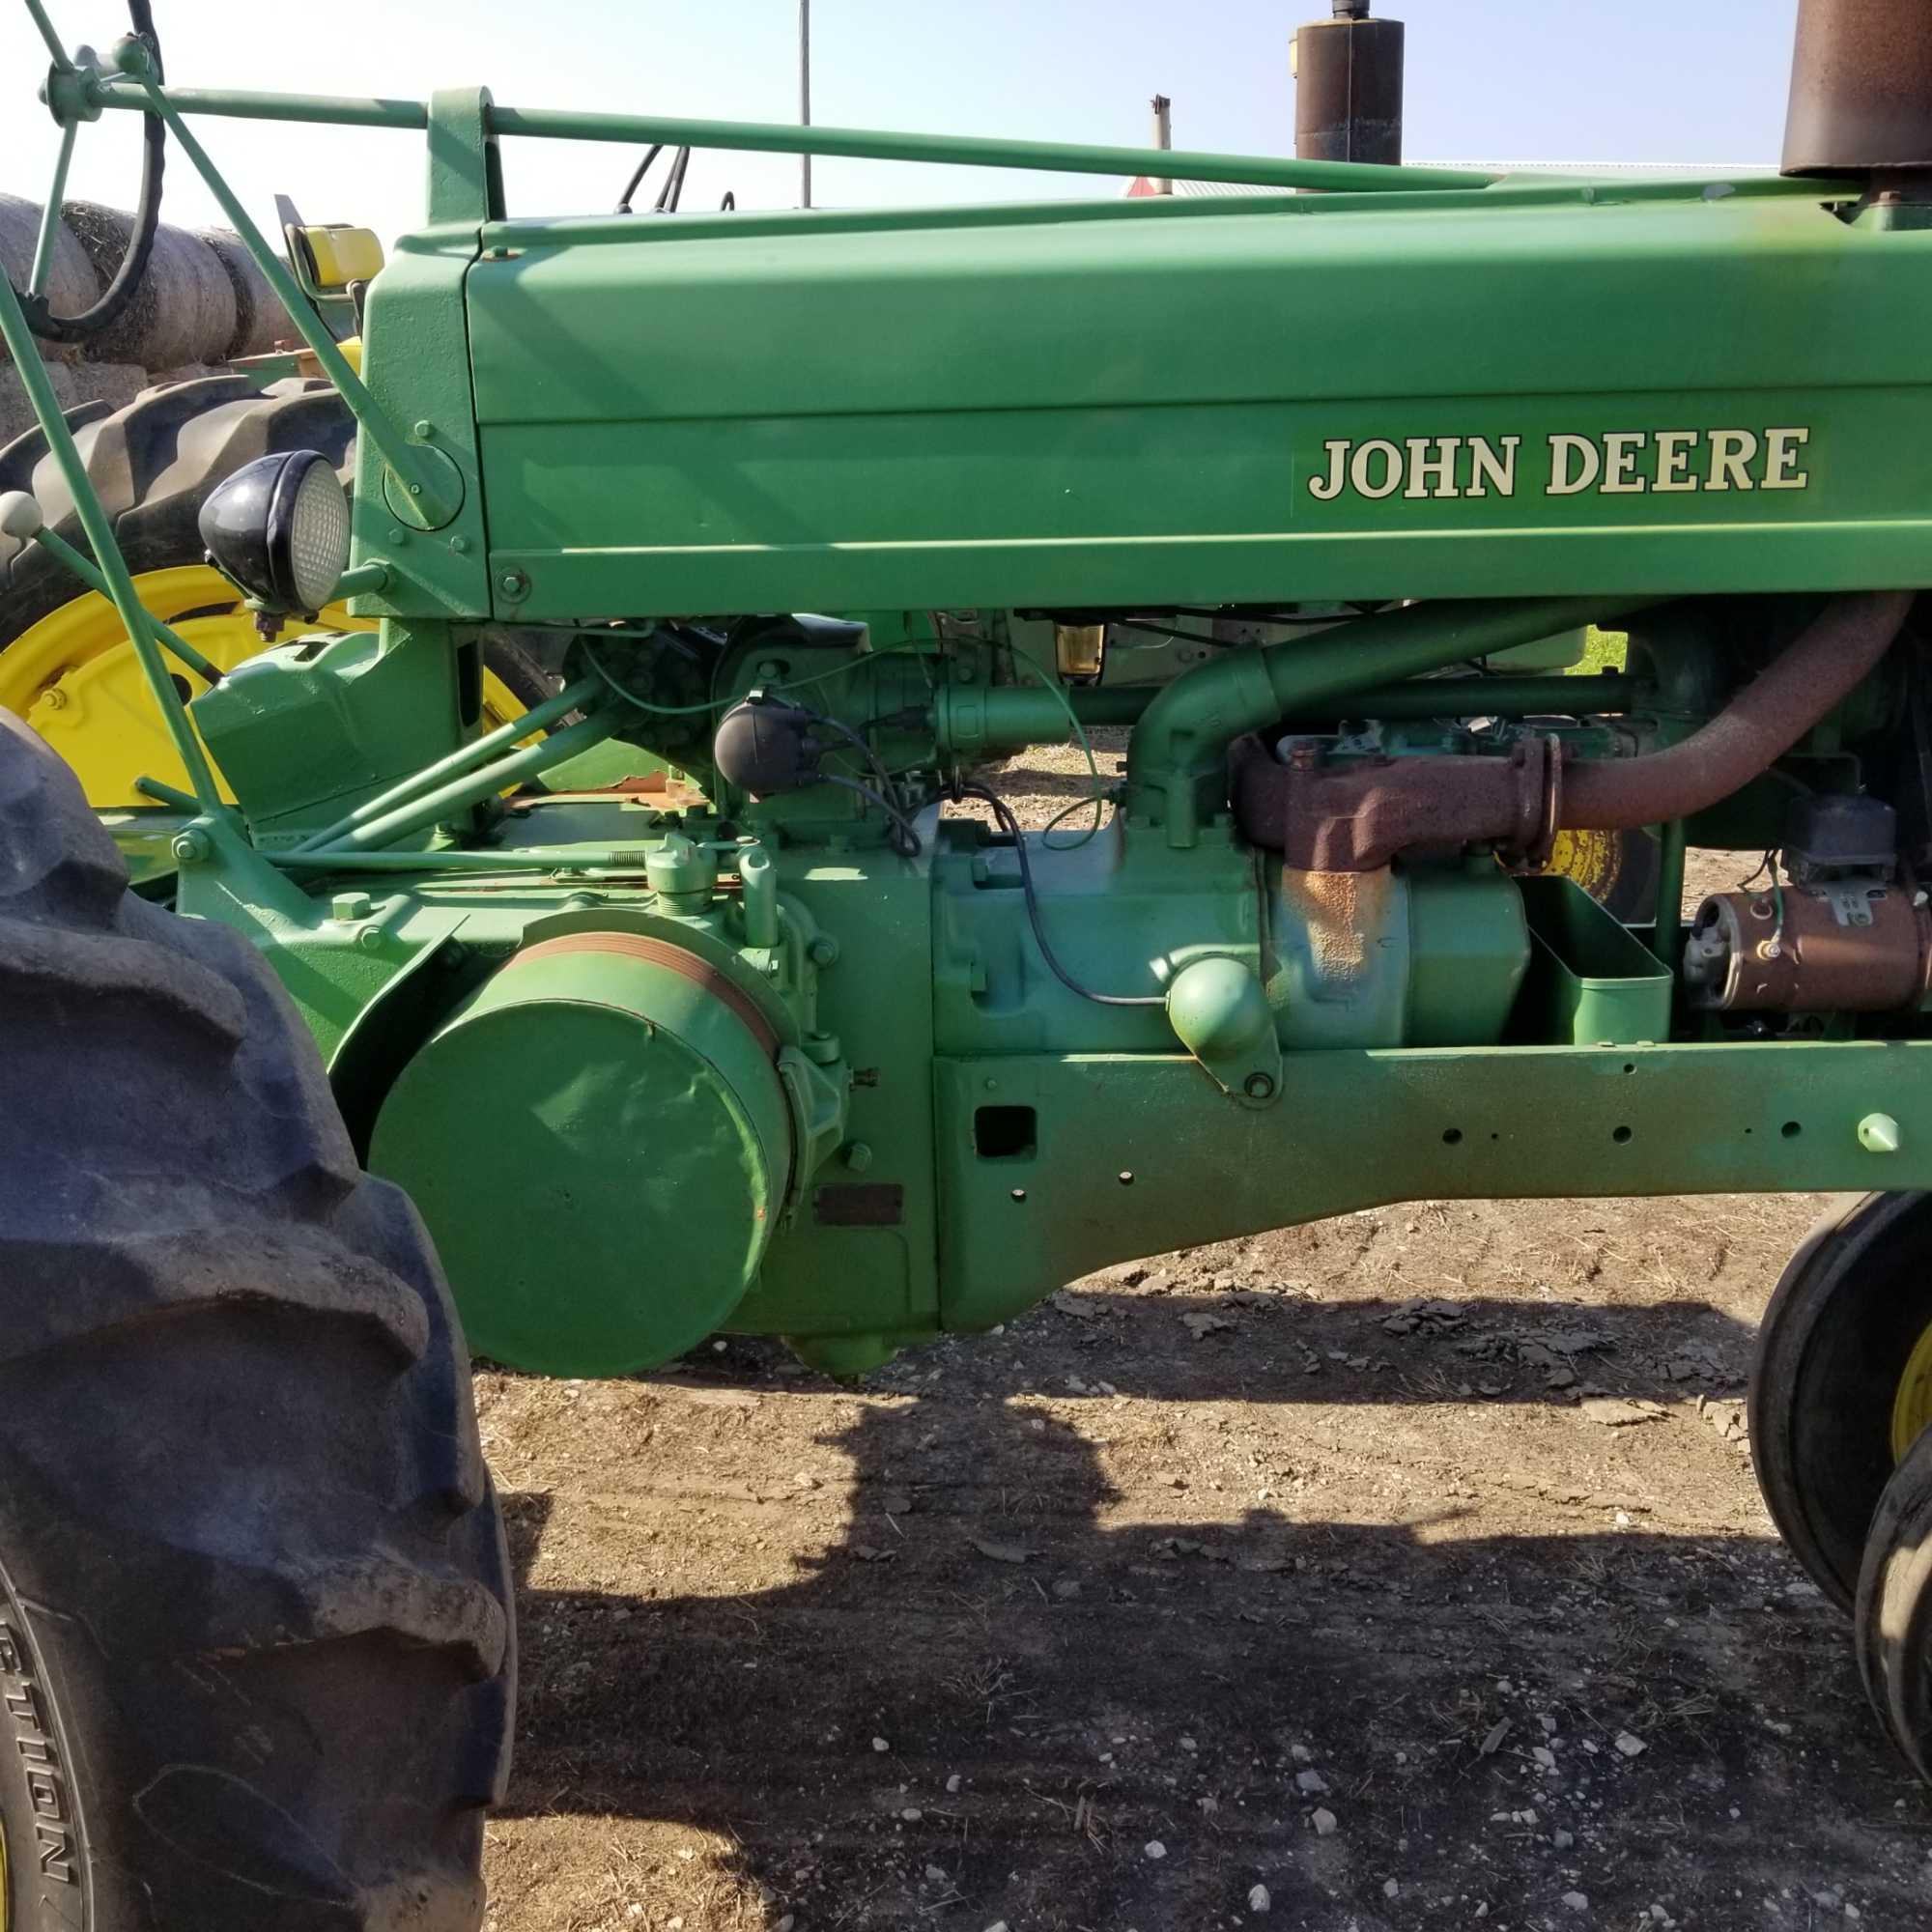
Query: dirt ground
pixel 1297 1581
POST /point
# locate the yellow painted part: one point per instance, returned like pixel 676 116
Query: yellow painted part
pixel 1592 859
pixel 1912 1406
pixel 341 254
pixel 75 679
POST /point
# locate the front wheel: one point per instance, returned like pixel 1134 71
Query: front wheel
pixel 256 1655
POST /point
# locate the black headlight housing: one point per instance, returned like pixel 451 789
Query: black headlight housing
pixel 279 526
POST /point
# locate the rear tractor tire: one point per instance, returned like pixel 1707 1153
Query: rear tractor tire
pixel 65 664
pixel 256 1650
pixel 1841 1387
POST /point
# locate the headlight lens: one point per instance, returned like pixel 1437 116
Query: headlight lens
pixel 318 537
pixel 279 526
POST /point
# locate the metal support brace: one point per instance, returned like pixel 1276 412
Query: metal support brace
pixel 93 520
pixel 416 474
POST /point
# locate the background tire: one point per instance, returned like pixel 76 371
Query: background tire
pixel 65 664
pixel 1836 1346
pixel 1894 1608
pixel 256 1653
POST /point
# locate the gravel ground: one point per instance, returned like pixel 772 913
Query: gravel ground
pixel 1403 1570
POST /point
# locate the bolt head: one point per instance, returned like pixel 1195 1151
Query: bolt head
pixel 351 908
pixel 1259 1087
pixel 1878 1133
pixel 190 847
pixel 421 429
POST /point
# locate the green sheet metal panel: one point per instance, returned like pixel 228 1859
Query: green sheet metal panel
pixel 1116 411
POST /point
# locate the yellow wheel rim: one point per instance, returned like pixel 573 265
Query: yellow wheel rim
pixel 1912 1406
pixel 74 678
pixel 1592 859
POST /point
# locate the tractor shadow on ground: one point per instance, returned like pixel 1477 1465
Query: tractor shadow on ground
pixel 1058 1682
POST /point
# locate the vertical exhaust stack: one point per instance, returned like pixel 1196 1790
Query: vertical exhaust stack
pixel 1348 87
pixel 1862 92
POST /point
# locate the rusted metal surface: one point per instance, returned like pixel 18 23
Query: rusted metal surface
pixel 1862 949
pixel 1357 816
pixel 1861 88
pixel 649 951
pixel 1342 917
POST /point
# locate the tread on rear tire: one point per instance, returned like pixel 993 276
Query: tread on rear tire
pixel 256 1651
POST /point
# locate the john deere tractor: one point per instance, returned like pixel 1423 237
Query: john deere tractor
pixel 803 1034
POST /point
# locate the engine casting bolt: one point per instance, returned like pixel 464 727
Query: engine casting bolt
pixel 1878 1133
pixel 191 847
pixel 1259 1087
pixel 351 908
pixel 460 545
pixel 858 1156
pixel 823 950
pixel 422 428
pixel 513 583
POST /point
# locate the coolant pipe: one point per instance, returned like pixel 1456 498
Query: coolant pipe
pixel 1835 652
pixel 539 717
pixel 472 787
pixel 1177 762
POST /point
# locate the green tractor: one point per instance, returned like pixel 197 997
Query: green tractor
pixel 816 514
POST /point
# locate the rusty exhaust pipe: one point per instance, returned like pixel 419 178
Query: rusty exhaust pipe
pixel 1356 818
pixel 1818 670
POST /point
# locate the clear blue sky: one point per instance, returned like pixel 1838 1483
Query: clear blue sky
pixel 1671 81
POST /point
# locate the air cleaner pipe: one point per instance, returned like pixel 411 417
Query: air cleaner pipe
pixel 1836 651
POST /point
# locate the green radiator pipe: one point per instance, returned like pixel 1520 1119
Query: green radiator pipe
pixel 472 787
pixel 539 717
pixel 1178 759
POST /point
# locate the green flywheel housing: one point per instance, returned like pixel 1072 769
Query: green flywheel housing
pixel 600 1144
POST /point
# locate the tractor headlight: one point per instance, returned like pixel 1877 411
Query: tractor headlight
pixel 279 526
